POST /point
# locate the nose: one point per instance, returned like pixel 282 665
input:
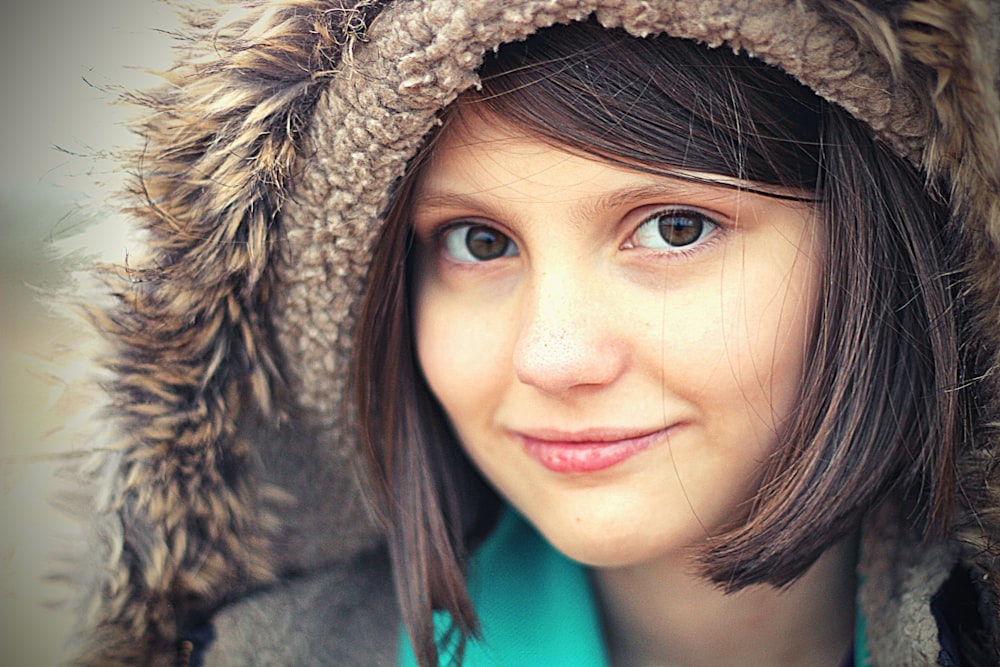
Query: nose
pixel 568 338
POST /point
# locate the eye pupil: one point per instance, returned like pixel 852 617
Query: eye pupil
pixel 680 231
pixel 485 243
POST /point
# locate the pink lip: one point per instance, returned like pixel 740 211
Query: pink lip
pixel 586 451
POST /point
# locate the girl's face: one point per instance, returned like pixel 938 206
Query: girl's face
pixel 616 351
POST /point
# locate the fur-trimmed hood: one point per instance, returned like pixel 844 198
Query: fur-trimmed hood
pixel 226 474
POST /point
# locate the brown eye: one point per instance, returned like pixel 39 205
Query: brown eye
pixel 478 243
pixel 673 229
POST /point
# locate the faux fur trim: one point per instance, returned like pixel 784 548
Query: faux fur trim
pixel 193 353
pixel 957 65
pixel 266 161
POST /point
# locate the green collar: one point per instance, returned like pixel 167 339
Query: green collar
pixel 537 607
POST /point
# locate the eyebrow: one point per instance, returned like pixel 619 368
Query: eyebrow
pixel 493 207
pixel 641 193
pixel 589 208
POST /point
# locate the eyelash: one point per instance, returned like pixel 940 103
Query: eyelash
pixel 709 229
pixel 442 239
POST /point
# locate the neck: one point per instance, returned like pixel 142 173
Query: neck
pixel 660 613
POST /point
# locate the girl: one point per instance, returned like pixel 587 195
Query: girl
pixel 665 331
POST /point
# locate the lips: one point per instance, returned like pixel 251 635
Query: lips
pixel 587 451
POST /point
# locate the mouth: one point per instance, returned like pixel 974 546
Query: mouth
pixel 587 451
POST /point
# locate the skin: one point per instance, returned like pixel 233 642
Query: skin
pixel 589 338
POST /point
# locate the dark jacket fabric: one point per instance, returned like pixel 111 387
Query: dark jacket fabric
pixel 226 522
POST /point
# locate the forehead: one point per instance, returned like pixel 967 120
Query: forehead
pixel 484 166
pixel 479 153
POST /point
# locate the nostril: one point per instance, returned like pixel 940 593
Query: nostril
pixel 556 359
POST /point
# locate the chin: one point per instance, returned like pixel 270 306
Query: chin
pixel 601 547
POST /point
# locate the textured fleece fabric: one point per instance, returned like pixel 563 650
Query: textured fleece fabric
pixel 222 488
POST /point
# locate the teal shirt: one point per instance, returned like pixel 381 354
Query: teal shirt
pixel 536 606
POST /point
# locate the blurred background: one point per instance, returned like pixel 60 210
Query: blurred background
pixel 63 63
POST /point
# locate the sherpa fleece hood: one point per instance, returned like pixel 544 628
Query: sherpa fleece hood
pixel 224 489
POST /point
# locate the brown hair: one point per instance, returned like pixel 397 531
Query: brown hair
pixel 882 409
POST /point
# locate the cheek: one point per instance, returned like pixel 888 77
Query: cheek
pixel 769 323
pixel 459 351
